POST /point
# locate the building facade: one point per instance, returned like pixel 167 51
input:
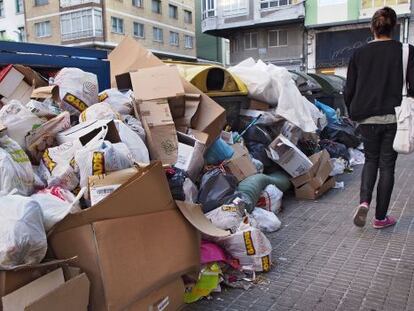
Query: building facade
pixel 12 21
pixel 335 28
pixel 270 30
pixel 166 27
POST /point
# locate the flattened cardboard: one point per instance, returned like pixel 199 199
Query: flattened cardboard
pixel 85 131
pixel 190 155
pixel 194 214
pixel 307 192
pixel 31 77
pixel 288 156
pixel 130 56
pixel 241 165
pixel 156 82
pixel 44 92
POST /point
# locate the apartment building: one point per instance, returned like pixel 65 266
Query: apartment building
pixel 271 30
pixel 166 27
pixel 12 20
pixel 335 28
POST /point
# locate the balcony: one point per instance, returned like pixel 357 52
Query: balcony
pixel 221 17
pixel 70 3
pixel 81 25
pixel 82 34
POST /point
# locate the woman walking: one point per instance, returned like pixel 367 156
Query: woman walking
pixel 373 90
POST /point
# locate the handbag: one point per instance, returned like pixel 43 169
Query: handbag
pixel 404 138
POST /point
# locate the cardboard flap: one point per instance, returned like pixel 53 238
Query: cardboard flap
pixel 72 295
pixel 24 296
pixel 194 214
pixel 33 78
pixel 156 82
pixel 50 263
pixel 51 91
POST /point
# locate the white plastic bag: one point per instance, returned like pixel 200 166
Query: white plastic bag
pixel 77 89
pixel 271 199
pixel 265 220
pixel 22 234
pixel 135 125
pixel 57 167
pixel 190 191
pixel 45 109
pixel 120 102
pixel 356 157
pixel 56 203
pixel 134 143
pixel 101 111
pixel 16 171
pixel 226 217
pixel 339 166
pixel 100 156
pixel 250 246
pixel 19 121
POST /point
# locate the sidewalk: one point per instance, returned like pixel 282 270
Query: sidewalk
pixel 324 262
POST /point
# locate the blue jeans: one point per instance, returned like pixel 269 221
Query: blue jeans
pixel 379 156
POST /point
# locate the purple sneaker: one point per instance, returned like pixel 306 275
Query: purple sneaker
pixel 360 217
pixel 387 222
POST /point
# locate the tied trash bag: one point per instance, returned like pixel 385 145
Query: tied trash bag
pixel 343 133
pixel 271 199
pixel 19 121
pixel 336 150
pixel 22 234
pixel 120 102
pixel 57 166
pixel 77 89
pixel 16 171
pixel 134 143
pixel 135 125
pixel 101 111
pixel 216 188
pixel 250 246
pixel 226 217
pixel 265 220
pixel 56 203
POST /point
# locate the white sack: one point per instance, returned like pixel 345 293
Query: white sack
pixel 271 199
pixel 100 111
pixel 135 125
pixel 134 143
pixel 265 220
pixel 226 217
pixel 121 103
pixel 356 157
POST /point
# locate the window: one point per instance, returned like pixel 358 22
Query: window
pixel 209 8
pixel 139 30
pixel 277 38
pixel 173 11
pixel 370 4
pixel 234 45
pixel 2 34
pixel 40 2
pixel 137 3
pixel 234 7
pixel 174 38
pixel 157 34
pixel 19 6
pixel 188 42
pixel 188 17
pixel 156 6
pixel 81 24
pixel 267 4
pixel 117 25
pixel 250 40
pixel 22 34
pixel 43 29
pixel 1 8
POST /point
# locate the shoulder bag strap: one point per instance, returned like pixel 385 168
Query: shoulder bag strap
pixel 406 51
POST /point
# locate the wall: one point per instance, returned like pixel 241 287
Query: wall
pixel 11 20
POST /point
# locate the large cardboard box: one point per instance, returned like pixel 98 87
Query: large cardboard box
pixel 123 241
pixel 288 156
pixel 308 192
pixel 318 173
pixel 241 165
pixel 160 130
pixel 50 292
pixel 130 56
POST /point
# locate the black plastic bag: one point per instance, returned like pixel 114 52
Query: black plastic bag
pixel 176 178
pixel 344 133
pixel 217 188
pixel 335 149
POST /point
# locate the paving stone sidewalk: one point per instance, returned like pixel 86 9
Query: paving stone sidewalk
pixel 324 262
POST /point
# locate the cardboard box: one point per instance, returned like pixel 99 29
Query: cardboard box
pixel 160 130
pixel 45 92
pixel 291 132
pixel 241 165
pixel 258 105
pixel 50 292
pixel 308 192
pixel 100 186
pixel 122 242
pixel 318 173
pixel 84 132
pixel 288 156
pixel 191 104
pixel 130 56
pixel 191 153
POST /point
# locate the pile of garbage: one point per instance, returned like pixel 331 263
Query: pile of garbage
pixel 113 182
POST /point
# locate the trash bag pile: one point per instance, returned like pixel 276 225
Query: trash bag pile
pixel 58 141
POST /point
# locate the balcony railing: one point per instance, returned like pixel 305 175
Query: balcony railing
pixel 69 3
pixel 83 34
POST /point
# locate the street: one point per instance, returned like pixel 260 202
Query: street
pixel 324 262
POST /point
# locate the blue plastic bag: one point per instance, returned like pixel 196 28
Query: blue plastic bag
pixel 329 112
pixel 218 152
